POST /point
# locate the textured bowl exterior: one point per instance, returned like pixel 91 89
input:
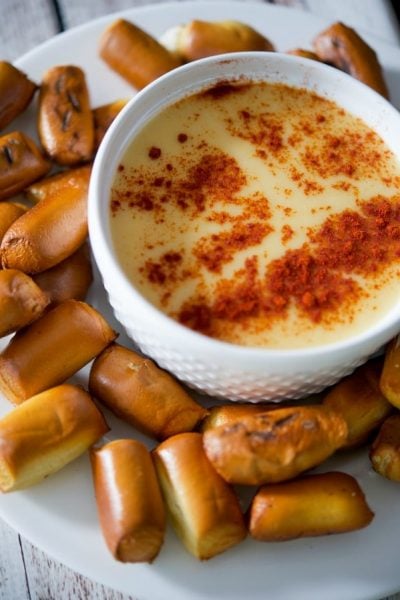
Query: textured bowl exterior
pixel 210 366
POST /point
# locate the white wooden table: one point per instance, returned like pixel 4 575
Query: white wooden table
pixel 26 573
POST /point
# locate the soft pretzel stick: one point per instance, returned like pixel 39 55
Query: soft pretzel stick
pixel 16 92
pixel 52 349
pixel 21 163
pixel 50 231
pixel 129 502
pixel 21 301
pixel 65 120
pixel 344 48
pixel 134 54
pixel 45 433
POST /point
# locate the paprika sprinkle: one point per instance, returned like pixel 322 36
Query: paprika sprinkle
pixel 261 215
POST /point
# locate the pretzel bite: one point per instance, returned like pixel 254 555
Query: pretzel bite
pixel 16 92
pixel 21 301
pixel 304 54
pixel 103 116
pixel 385 451
pixel 342 47
pixel 43 189
pixel 134 54
pixel 204 510
pixel 65 120
pixel 49 232
pixel 52 349
pixel 129 502
pixel 136 390
pixel 21 163
pixel 360 402
pixel 390 377
pixel 310 506
pixel 227 414
pixel 71 278
pixel 276 445
pixel 45 433
pixel 198 39
pixel 9 212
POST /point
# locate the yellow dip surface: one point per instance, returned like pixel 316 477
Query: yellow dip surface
pixel 261 215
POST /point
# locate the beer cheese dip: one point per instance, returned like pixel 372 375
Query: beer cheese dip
pixel 261 215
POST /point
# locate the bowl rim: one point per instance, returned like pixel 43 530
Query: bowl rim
pixel 106 258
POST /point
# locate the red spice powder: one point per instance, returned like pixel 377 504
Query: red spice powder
pixel 165 270
pixel 352 154
pixel 220 248
pixel 287 233
pixel 154 152
pixel 315 278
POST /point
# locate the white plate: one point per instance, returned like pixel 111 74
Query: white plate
pixel 59 516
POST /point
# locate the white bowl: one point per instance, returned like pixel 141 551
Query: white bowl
pixel 208 365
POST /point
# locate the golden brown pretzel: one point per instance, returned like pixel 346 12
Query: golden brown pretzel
pixel 45 433
pixel 49 232
pixel 103 116
pixel 360 402
pixel 21 301
pixel 16 92
pixel 342 47
pixel 204 509
pixel 134 54
pixel 147 397
pixel 198 39
pixel 52 349
pixel 313 505
pixel 65 120
pixel 71 278
pixel 275 445
pixel 21 163
pixel 385 451
pixel 129 502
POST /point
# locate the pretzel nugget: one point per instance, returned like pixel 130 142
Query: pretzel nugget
pixel 304 54
pixel 16 92
pixel 390 377
pixel 199 39
pixel 103 116
pixel 49 232
pixel 129 501
pixel 57 184
pixel 204 510
pixel 71 278
pixel 9 212
pixel 148 398
pixel 360 402
pixel 385 451
pixel 275 445
pixel 21 163
pixel 45 433
pixel 227 414
pixel 21 301
pixel 52 349
pixel 342 47
pixel 313 505
pixel 134 54
pixel 65 120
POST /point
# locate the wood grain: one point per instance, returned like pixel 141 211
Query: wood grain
pixel 24 24
pixel 76 12
pixel 27 573
pixel 48 580
pixel 13 582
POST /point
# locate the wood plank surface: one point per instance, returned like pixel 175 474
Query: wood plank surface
pixel 50 579
pixel 24 24
pixel 27 573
